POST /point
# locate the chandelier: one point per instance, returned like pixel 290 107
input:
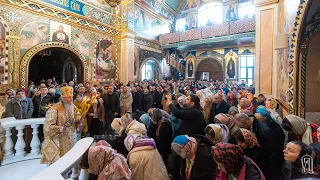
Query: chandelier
pixel 44 52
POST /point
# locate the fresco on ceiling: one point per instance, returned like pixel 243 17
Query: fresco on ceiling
pixel 157 7
pixel 33 34
pixel 105 60
pixel 2 51
pixel 60 32
pixel 145 23
pixel 287 13
pixel 80 42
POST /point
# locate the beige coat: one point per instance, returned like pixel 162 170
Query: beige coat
pixel 146 163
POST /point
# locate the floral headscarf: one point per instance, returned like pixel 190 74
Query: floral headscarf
pixel 106 163
pixel 138 140
pixel 186 147
pixel 231 156
pixel 221 133
pixel 249 139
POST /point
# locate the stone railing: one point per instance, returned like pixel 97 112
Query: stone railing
pixel 224 29
pixel 71 160
pixel 19 147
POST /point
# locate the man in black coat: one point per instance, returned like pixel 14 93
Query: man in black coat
pixel 112 106
pixel 267 140
pixel 218 106
pixel 137 100
pixel 192 120
pixel 40 101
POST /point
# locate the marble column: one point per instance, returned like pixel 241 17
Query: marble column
pixel 127 58
pixel 266 56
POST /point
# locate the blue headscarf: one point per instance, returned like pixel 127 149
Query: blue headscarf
pixel 262 110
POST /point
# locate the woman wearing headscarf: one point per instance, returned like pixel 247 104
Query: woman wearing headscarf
pixel 246 104
pixel 195 157
pixel 217 133
pixel 233 110
pixel 275 112
pixel 249 143
pixel 104 163
pixel 231 99
pixel 295 153
pixel 160 130
pixel 229 122
pixel 144 160
pixel 207 108
pixel 199 93
pixel 127 125
pixel 125 101
pixel 233 164
pixel 299 129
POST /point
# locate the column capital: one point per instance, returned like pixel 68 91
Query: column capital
pixel 260 3
pixel 128 35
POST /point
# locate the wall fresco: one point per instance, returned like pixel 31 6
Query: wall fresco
pixel 105 60
pixel 80 42
pixel 60 32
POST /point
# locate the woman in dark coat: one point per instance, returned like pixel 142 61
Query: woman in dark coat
pixel 293 168
pixel 160 130
pixel 195 153
pixel 233 164
pixel 147 100
pixel 249 143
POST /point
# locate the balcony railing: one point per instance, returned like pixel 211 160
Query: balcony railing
pixel 223 29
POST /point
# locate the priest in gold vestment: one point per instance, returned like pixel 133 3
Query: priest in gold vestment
pixel 58 127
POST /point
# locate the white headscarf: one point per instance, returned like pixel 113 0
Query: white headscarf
pixel 302 128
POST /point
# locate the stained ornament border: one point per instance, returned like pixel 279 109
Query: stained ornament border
pixel 25 61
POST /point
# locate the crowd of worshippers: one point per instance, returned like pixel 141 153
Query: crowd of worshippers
pixel 190 130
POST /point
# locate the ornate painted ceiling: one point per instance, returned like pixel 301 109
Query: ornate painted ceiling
pixel 174 4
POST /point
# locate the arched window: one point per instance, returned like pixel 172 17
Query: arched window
pixel 181 24
pixel 246 10
pixel 147 70
pixel 210 14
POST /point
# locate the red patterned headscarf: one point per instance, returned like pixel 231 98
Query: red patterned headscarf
pixel 231 156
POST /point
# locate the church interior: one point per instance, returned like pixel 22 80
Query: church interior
pixel 269 44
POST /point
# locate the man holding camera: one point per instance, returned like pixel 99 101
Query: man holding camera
pixel 192 117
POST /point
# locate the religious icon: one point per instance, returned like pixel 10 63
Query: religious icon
pixel 231 58
pixel 190 69
pixel 33 34
pixel 105 64
pixel 60 35
pixel 231 15
pixel 60 32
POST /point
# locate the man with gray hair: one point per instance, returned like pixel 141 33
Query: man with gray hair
pixel 271 168
pixel 218 106
pixel 54 95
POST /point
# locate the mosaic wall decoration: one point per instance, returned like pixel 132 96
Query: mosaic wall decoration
pixel 294 48
pixel 231 63
pixel 33 34
pixel 157 6
pixel 106 61
pixel 80 42
pixel 4 33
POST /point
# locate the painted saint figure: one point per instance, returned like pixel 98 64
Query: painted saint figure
pixel 231 68
pixel 60 36
pixel 38 35
pixel 190 69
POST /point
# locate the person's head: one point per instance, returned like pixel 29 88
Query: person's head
pixel 44 91
pixel 220 91
pixel 182 101
pixel 49 81
pixel 193 101
pixel 245 103
pixel 42 85
pixel 250 95
pixel 87 84
pixel 184 146
pixel 20 94
pixel 233 111
pixel 246 139
pixel 138 88
pixel 199 94
pixel 81 89
pixel 71 83
pixel 66 94
pixel 271 103
pixel 208 100
pixel 133 90
pixel 294 152
pixel 125 89
pixel 217 98
pixel 261 98
pixel 156 115
pixel 243 121
pixel 79 97
pixel 52 91
pixel 110 89
pixel 99 92
pixel 229 157
pixel 231 95
pixel 9 92
pixel 217 133
pixel 295 125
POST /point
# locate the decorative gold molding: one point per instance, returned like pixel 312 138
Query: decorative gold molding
pixel 25 61
pixel 260 3
pixel 14 37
